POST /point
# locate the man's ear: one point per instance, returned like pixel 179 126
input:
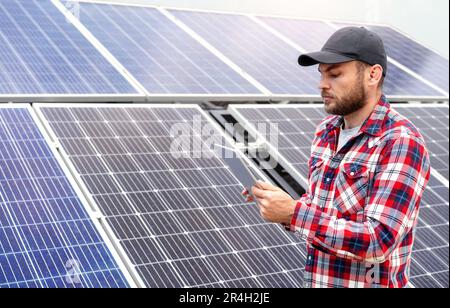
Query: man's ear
pixel 376 73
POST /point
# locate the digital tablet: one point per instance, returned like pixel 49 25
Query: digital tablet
pixel 246 173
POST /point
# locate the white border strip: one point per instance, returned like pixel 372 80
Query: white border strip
pixel 61 98
pixel 194 98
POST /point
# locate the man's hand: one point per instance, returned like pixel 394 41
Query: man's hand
pixel 275 205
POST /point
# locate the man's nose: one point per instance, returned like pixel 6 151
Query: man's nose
pixel 324 84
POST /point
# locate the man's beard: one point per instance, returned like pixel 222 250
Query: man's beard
pixel 353 101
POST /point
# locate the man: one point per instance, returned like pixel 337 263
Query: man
pixel 368 170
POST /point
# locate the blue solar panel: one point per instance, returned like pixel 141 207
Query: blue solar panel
pixel 415 56
pixel 309 34
pixel 47 238
pixel 433 124
pixel 162 56
pixel 260 53
pixel 312 35
pixel 42 53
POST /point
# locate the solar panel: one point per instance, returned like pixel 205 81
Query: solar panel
pixel 47 237
pixel 312 35
pixel 432 120
pixel 41 53
pixel 297 124
pixel 309 34
pixel 160 55
pixel 181 221
pixel 295 128
pixel 430 258
pixel 415 56
pixel 397 46
pixel 263 55
pixel 429 266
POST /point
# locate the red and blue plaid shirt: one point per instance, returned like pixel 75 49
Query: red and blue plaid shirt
pixel 360 212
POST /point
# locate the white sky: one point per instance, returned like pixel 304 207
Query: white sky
pixel 425 20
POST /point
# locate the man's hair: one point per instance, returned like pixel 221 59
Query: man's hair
pixel 363 66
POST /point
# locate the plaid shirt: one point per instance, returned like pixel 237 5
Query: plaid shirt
pixel 360 212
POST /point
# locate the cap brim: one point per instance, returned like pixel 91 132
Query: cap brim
pixel 322 57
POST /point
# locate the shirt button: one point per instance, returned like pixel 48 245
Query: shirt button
pixel 352 174
pixel 307 285
pixel 328 180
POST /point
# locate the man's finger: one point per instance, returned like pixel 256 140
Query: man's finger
pixel 263 214
pixel 264 203
pixel 258 193
pixel 266 186
pixel 259 201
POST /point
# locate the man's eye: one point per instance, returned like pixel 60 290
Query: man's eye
pixel 334 75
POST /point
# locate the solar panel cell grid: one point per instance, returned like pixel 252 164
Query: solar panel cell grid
pixel 159 54
pixel 258 52
pixel 415 56
pixel 42 53
pixel 47 238
pixel 433 124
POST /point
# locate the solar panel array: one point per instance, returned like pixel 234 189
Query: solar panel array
pixel 172 221
pixel 297 125
pixel 42 53
pixel 47 238
pixel 181 221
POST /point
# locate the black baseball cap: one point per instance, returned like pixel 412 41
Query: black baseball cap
pixel 349 44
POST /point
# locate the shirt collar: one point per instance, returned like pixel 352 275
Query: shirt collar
pixel 374 123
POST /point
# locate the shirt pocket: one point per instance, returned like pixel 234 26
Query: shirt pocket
pixel 351 190
pixel 314 173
